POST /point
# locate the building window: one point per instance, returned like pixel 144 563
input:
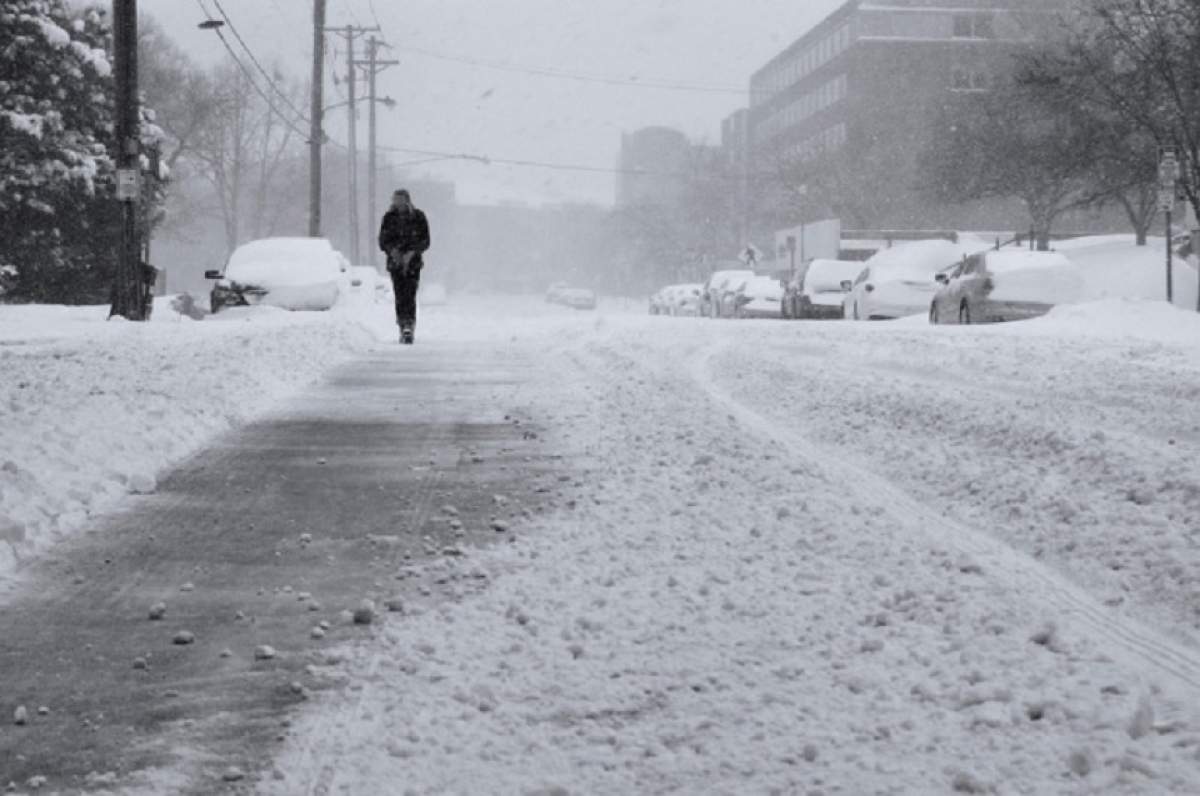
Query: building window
pixel 974 26
pixel 963 78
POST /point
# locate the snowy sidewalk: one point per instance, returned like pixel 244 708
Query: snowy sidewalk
pixel 91 411
pixel 711 611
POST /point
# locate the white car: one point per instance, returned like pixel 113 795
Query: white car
pixel 291 273
pixel 687 300
pixel 899 282
pixel 578 298
pixel 715 296
pixel 760 297
pixel 823 288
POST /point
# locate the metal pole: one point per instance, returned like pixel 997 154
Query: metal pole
pixel 372 48
pixel 316 113
pixel 353 133
pixel 1170 268
pixel 127 280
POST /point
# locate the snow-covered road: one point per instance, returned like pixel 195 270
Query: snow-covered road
pixel 813 558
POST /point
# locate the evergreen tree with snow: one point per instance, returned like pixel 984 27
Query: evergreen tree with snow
pixel 58 242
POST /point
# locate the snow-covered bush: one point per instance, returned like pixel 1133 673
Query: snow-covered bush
pixel 56 173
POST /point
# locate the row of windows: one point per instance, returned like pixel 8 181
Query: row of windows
pixel 927 24
pixel 963 78
pixel 799 65
pixel 828 140
pixel 813 102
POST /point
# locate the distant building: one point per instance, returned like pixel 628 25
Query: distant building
pixel 862 88
pixel 648 167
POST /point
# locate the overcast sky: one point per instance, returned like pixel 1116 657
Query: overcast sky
pixel 456 107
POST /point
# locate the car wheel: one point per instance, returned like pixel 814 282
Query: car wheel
pixel 964 314
pixel 214 305
pixel 856 316
pixel 933 313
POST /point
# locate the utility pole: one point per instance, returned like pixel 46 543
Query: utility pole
pixel 127 290
pixel 1168 181
pixel 373 67
pixel 350 33
pixel 316 135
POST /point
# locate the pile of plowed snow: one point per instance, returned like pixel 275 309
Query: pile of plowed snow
pixel 93 410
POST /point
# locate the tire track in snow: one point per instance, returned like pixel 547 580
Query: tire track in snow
pixel 1136 644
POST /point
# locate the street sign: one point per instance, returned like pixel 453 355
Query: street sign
pixel 128 185
pixel 1166 199
pixel 1168 169
pixel 750 255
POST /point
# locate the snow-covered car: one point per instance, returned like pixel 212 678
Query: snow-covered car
pixel 717 291
pixel 687 301
pixel 823 289
pixel 998 286
pixel 660 302
pixel 290 273
pixel 555 293
pixel 898 282
pixel 759 297
pixel 578 298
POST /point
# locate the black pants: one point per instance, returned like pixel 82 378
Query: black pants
pixel 405 288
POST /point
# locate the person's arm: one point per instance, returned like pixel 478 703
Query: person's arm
pixel 385 238
pixel 423 242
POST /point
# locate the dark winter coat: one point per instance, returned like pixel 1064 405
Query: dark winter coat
pixel 404 232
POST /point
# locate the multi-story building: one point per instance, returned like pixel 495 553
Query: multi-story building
pixel 861 90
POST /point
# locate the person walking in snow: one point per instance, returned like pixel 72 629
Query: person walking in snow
pixel 404 238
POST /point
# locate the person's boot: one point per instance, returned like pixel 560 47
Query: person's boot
pixel 406 334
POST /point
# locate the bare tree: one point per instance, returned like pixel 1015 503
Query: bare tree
pixel 242 151
pixel 1140 59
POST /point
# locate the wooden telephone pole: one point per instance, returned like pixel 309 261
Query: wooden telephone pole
pixel 350 33
pixel 316 133
pixel 128 289
pixel 373 66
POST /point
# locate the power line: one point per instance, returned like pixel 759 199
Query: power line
pixel 434 155
pixel 661 85
pixel 250 79
pixel 270 81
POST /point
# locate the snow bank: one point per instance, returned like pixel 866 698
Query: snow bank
pixel 93 410
pixel 1128 319
pixel 1114 266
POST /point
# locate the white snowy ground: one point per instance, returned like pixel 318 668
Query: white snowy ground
pixel 93 410
pixel 809 558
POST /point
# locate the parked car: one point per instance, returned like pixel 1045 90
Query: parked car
pixel 660 302
pixel 759 297
pixel 823 288
pixel 291 273
pixel 717 289
pixel 996 286
pixel 554 294
pixel 899 281
pixel 579 298
pixel 687 301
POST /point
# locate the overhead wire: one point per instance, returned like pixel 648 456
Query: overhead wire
pixel 433 155
pixel 270 80
pixel 291 123
pixel 562 74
